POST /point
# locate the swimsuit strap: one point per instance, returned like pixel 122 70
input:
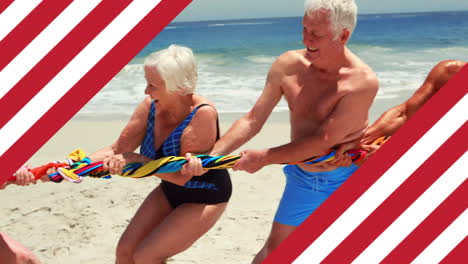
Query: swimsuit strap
pixel 171 146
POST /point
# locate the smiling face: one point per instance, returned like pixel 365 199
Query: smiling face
pixel 156 87
pixel 319 39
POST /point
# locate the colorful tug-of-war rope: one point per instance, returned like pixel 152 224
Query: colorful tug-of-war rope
pixel 77 165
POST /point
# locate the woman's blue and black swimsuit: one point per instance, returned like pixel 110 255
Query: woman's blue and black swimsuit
pixel 210 188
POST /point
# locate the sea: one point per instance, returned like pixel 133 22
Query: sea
pixel 234 57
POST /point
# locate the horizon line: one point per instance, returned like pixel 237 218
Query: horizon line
pixel 363 14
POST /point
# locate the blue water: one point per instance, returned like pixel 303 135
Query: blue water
pixel 234 56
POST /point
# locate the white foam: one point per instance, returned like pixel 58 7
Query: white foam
pixel 261 59
pixel 241 24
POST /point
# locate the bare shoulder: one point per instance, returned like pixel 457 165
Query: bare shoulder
pixel 143 108
pixel 288 62
pixel 445 70
pixel 200 135
pixel 450 66
pixel 361 79
pixel 205 113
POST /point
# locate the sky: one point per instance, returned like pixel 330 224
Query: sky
pixel 239 9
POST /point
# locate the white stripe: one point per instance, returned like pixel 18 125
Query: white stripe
pixel 14 14
pixel 416 213
pixel 386 184
pixel 44 43
pixel 445 242
pixel 74 71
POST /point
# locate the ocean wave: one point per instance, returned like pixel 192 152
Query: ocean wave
pixel 404 15
pixel 132 68
pixel 370 48
pixel 261 59
pixel 461 50
pixel 387 96
pixel 240 24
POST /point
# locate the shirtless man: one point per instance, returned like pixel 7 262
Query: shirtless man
pixel 329 91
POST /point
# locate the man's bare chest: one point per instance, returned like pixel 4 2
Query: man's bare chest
pixel 311 99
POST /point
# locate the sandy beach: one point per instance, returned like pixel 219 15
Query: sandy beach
pixel 81 223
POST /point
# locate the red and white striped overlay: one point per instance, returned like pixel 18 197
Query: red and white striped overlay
pixel 56 55
pixel 407 205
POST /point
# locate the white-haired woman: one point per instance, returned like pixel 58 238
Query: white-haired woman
pixel 171 121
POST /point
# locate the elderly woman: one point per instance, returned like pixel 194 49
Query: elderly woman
pixel 171 121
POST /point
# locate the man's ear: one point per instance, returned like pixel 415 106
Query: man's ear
pixel 345 35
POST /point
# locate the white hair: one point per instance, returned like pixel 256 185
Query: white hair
pixel 177 67
pixel 342 13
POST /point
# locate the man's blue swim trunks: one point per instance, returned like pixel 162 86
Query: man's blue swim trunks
pixel 306 191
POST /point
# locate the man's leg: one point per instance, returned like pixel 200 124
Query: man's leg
pixel 279 232
pixel 293 209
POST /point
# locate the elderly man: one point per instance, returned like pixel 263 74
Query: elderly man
pixel 329 91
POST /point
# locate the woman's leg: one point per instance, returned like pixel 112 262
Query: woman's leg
pixel 179 230
pixel 150 214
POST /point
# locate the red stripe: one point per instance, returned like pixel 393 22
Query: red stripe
pixel 89 85
pixel 4 4
pixel 358 183
pixel 459 254
pixel 431 227
pixel 29 28
pixel 400 199
pixel 59 57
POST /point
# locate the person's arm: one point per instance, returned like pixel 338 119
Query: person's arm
pixel 436 79
pixel 251 123
pixel 130 138
pixel 389 122
pixel 349 115
pixel 394 118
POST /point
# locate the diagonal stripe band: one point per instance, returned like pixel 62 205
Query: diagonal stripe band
pixel 416 213
pixel 50 65
pixel 43 43
pixel 29 29
pixel 430 228
pixel 14 13
pixel 448 240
